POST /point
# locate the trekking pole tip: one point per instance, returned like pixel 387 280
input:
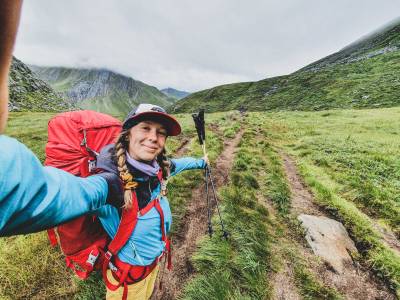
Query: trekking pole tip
pixel 210 230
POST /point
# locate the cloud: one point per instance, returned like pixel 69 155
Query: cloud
pixel 193 45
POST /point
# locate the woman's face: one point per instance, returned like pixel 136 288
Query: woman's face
pixel 146 140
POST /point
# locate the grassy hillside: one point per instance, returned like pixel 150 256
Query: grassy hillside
pixel 101 90
pixel 362 75
pixel 29 93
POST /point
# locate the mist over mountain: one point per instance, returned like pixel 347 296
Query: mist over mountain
pixel 383 40
pixel 363 74
pixel 101 89
pixel 29 93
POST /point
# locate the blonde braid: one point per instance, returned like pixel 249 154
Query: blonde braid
pixel 163 162
pixel 124 174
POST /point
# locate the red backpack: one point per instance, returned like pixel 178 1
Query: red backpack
pixel 74 141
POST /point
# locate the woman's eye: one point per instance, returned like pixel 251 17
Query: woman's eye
pixel 163 133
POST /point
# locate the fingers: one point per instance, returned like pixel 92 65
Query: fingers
pixel 10 11
pixel 205 157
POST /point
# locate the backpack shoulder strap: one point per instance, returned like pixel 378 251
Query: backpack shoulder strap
pixel 126 226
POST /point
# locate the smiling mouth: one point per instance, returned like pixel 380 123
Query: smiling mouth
pixel 152 149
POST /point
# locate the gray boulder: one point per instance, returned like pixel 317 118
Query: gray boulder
pixel 329 240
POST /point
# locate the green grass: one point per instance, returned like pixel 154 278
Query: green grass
pixel 240 267
pixel 374 253
pixel 310 287
pixel 358 149
pixel 350 160
pixel 236 268
pixel 284 230
pixel 30 129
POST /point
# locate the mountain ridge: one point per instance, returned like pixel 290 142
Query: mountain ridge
pixel 363 74
pixel 101 89
pixel 29 93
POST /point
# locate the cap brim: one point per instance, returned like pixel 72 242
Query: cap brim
pixel 173 126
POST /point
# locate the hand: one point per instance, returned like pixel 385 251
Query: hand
pixel 115 191
pixel 167 163
pixel 10 11
pixel 205 157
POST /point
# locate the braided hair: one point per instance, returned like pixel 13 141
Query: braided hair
pixel 121 146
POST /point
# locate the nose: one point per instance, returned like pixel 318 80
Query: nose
pixel 153 135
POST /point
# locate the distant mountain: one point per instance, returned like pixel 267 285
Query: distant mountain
pixel 364 74
pixel 29 93
pixel 173 93
pixel 100 89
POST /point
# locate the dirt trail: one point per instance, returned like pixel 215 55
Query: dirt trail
pixel 194 226
pixel 302 200
pixel 355 282
pixel 388 236
pixel 183 147
pixel 282 281
pixel 284 288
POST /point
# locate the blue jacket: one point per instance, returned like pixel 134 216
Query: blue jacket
pixel 34 198
pixel 145 243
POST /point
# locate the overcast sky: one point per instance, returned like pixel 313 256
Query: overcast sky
pixel 193 45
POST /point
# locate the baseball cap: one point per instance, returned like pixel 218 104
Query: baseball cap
pixel 154 113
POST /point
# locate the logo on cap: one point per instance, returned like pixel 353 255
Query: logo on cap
pixel 148 107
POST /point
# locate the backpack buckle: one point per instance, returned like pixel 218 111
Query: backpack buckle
pixel 92 165
pixel 112 267
pixel 92 259
pixel 108 255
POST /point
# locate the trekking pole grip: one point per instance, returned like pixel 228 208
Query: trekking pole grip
pixel 200 126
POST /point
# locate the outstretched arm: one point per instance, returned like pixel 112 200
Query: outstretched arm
pixel 186 163
pixel 34 198
pixel 10 11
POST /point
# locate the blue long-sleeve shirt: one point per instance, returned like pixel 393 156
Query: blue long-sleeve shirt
pixel 34 198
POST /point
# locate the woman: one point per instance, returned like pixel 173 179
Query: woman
pixel 138 157
pixel 34 198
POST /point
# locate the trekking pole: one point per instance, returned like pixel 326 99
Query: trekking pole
pixel 200 128
pixel 225 234
pixel 210 229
